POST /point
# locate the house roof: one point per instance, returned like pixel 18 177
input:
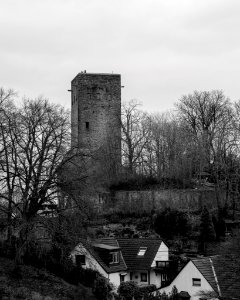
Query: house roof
pixel 228 273
pixel 91 247
pixel 130 249
pixel 204 265
pixel 107 241
pixel 222 273
pixel 107 247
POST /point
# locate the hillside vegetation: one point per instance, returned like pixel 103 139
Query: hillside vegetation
pixel 35 284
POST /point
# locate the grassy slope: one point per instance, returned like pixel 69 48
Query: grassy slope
pixel 37 284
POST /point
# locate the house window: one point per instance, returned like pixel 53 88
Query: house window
pixel 163 278
pixel 122 277
pixel 87 125
pixel 131 275
pixel 142 251
pixel 80 260
pixel 196 282
pixel 114 257
pixel 143 277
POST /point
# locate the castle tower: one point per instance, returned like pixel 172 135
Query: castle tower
pixel 96 116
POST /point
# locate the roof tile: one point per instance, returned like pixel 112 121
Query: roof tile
pixel 130 248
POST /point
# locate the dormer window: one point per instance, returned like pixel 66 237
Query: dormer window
pixel 142 251
pixel 114 257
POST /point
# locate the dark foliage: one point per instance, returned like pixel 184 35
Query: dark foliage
pixel 127 290
pixel 135 183
pixel 118 216
pixel 171 222
pixel 149 182
pixel 145 290
pixel 8 249
pixel 102 288
pixel 207 231
pixel 17 272
pixel 60 265
pixel 219 223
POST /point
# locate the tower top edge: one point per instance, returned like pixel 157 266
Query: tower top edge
pixel 95 74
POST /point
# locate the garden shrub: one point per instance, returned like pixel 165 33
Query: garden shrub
pixel 147 289
pixel 128 289
pixel 88 277
pixel 8 249
pixel 102 288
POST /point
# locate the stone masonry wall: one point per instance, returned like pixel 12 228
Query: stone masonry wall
pixel 96 111
pixel 96 124
pixel 146 200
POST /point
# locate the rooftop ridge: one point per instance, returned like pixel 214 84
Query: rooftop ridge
pixel 94 74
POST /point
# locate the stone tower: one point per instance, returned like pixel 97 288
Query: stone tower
pixel 96 117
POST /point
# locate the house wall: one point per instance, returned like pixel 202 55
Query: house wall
pixel 155 279
pixel 115 279
pixel 183 282
pixel 161 255
pixel 136 277
pixel 91 263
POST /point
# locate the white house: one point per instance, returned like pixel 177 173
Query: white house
pixel 217 277
pixel 103 257
pixel 145 261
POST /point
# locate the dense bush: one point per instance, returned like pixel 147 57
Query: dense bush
pixel 135 183
pixel 173 295
pixel 60 265
pixel 102 288
pixel 128 289
pixel 8 249
pixel 147 289
pixel 143 224
pixel 171 222
pixel 140 182
pixel 116 216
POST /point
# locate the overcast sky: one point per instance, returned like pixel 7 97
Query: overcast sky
pixel 162 48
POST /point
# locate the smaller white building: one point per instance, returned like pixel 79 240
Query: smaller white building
pixel 189 280
pixel 214 277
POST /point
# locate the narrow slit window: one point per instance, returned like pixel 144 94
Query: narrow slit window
pixel 87 125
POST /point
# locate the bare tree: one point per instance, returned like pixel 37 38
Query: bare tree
pixel 207 115
pixel 7 174
pixel 134 135
pixel 34 140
